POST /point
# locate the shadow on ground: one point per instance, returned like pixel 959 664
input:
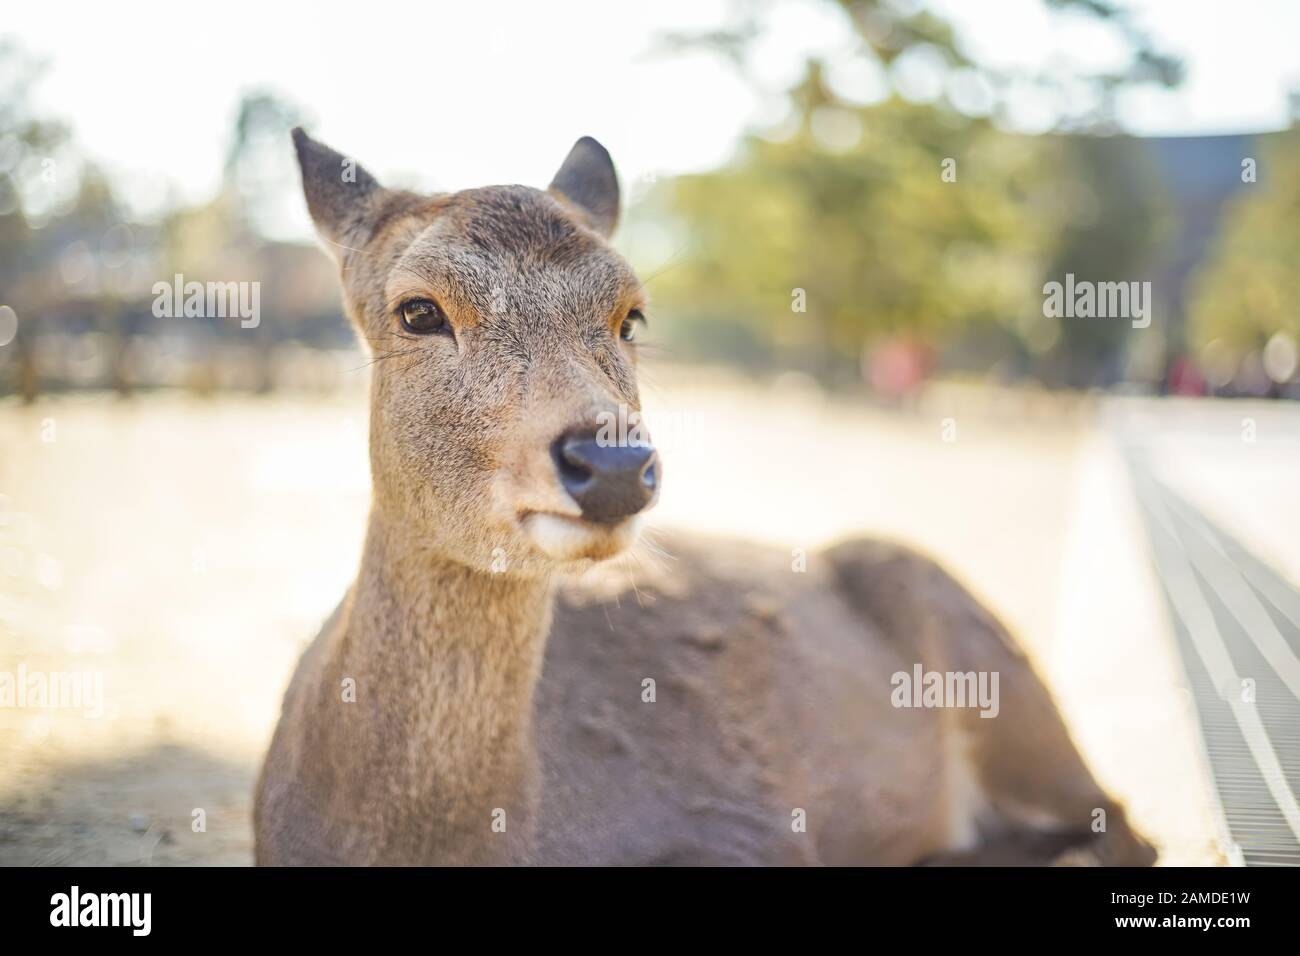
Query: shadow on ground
pixel 136 811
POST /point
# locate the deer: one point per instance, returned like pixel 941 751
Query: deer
pixel 500 685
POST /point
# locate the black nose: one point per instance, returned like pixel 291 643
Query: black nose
pixel 608 481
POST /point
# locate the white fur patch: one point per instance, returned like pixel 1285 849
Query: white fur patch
pixel 562 538
pixel 966 801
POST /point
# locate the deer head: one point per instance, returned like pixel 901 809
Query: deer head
pixel 503 330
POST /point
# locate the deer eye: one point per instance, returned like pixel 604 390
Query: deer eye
pixel 424 317
pixel 627 331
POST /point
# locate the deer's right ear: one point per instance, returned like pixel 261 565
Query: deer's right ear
pixel 340 193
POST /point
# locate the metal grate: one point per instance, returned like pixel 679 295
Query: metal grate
pixel 1237 628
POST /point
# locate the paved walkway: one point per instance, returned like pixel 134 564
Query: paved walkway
pixel 1115 670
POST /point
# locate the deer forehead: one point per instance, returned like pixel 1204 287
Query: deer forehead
pixel 505 252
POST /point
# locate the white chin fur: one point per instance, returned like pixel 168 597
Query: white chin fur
pixel 562 538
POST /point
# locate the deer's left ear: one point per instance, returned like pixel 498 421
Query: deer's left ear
pixel 588 181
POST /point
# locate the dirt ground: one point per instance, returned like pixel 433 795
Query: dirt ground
pixel 186 550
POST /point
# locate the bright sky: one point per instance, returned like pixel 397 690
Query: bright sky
pixel 454 94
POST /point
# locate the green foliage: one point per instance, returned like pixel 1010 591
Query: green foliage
pixel 880 243
pixel 883 246
pixel 1250 284
pixel 1116 213
pixel 850 204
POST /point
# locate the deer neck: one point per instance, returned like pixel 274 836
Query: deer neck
pixel 451 657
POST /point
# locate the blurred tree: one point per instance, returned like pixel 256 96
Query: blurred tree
pixel 1249 286
pixel 869 226
pixel 914 216
pixel 1146 65
pixel 28 170
pixel 234 238
pixel 1114 209
pixel 78 272
pixel 260 173
pixel 57 216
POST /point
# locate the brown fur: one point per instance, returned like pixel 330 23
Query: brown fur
pixel 483 691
